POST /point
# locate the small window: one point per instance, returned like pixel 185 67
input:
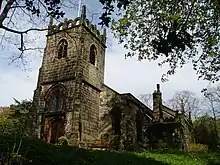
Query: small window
pixel 62 49
pixel 92 54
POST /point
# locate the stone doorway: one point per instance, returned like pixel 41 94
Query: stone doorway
pixel 54 128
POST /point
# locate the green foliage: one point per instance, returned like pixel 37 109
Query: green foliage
pixel 9 125
pixel 180 158
pixel 37 7
pixel 204 132
pixel 14 120
pixel 174 32
pixel 109 8
pixel 62 140
pixel 12 156
pixel 198 147
pixel 36 152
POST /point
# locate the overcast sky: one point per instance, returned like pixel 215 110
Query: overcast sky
pixel 123 75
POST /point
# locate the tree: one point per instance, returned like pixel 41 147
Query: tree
pixel 205 133
pixel 14 121
pixel 146 99
pixel 212 95
pixel 174 32
pixel 18 18
pixel 186 102
pixel 211 104
pixel 108 6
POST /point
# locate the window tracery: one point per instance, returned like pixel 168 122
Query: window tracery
pixel 55 100
pixel 62 49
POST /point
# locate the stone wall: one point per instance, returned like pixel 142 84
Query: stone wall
pixel 108 99
pixel 81 80
pixel 93 74
pixel 72 116
pixel 89 112
pixel 54 69
pixel 132 124
pixel 131 111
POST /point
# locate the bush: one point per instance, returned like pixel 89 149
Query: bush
pixel 198 147
pixel 62 141
pixel 32 151
pixel 14 120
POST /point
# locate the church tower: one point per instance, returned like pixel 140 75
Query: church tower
pixel 67 97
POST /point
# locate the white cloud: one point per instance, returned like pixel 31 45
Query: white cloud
pixel 15 82
pixel 16 85
pixel 137 77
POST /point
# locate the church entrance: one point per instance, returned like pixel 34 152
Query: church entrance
pixel 54 128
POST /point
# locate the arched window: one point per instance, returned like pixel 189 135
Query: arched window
pixel 55 99
pixel 92 54
pixel 62 49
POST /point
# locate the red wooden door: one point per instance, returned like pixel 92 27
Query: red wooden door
pixel 56 129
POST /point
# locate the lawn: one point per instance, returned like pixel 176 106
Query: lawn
pixel 36 152
pixel 180 158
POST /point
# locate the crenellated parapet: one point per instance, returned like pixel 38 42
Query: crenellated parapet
pixel 70 23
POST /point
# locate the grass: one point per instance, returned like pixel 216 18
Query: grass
pixel 180 158
pixel 37 152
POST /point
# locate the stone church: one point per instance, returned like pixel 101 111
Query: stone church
pixel 71 99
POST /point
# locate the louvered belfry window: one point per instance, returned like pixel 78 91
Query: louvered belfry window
pixel 92 54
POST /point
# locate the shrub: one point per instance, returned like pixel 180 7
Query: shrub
pixel 198 147
pixel 62 141
pixel 14 120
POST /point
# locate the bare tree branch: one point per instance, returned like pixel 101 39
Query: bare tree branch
pixel 146 99
pixel 5 11
pixel 186 101
pixel 22 32
pixel 18 20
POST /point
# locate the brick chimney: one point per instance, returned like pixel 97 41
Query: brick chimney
pixel 157 103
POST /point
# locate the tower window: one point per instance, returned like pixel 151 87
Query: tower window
pixel 92 54
pixel 55 100
pixel 62 49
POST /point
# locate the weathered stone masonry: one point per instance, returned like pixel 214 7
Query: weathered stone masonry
pixel 80 80
pixel 72 100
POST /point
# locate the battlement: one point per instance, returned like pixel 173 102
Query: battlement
pixel 70 23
